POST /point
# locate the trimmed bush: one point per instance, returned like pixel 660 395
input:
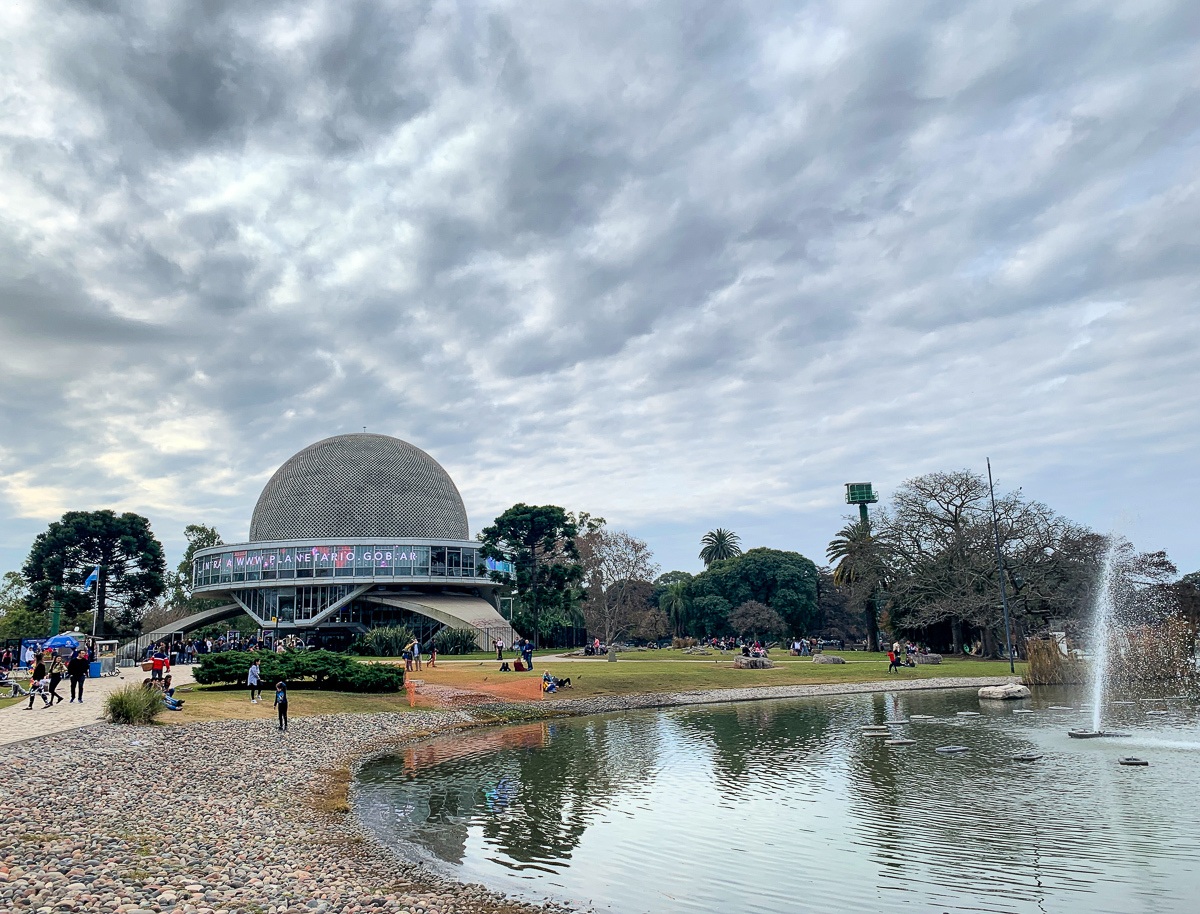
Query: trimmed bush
pixel 455 641
pixel 133 704
pixel 325 670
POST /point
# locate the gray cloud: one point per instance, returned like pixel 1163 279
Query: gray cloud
pixel 680 264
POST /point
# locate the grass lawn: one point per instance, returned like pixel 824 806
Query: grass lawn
pixel 634 673
pixel 659 671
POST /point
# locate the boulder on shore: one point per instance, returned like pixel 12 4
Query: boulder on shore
pixel 828 658
pixel 1009 692
pixel 931 659
pixel 753 663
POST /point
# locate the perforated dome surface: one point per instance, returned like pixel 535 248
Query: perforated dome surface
pixel 360 486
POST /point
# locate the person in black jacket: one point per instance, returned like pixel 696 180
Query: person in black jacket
pixel 77 669
pixel 37 684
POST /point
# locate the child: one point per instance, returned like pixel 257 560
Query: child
pixel 432 656
pixel 281 704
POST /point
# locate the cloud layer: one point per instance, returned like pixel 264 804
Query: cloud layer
pixel 682 264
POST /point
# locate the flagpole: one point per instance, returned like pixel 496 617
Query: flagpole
pixel 95 602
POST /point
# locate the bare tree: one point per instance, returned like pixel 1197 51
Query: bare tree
pixel 615 565
pixel 753 618
pixel 936 541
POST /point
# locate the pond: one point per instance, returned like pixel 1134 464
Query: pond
pixel 786 805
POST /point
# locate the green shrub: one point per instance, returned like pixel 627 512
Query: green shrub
pixel 383 641
pixel 371 678
pixel 455 641
pixel 325 669
pixel 232 666
pixel 133 704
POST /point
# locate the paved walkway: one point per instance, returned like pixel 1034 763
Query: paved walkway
pixel 17 724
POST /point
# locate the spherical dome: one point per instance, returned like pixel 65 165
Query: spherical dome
pixel 360 486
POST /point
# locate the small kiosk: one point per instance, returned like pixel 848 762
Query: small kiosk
pixel 105 661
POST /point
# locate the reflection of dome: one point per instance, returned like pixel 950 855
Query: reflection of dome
pixel 360 486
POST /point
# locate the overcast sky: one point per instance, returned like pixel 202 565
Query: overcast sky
pixel 681 264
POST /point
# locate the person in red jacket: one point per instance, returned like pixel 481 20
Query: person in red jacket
pixel 159 664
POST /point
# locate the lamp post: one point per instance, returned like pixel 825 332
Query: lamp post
pixel 1000 568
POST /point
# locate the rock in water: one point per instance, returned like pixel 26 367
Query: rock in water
pixel 827 658
pixel 1008 692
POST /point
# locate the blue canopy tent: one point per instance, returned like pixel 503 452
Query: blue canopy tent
pixel 58 642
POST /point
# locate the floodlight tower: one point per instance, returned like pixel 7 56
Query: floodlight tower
pixel 861 494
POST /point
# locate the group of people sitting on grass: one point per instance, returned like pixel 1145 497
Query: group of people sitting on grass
pixel 164 686
pixel 753 649
pixel 903 655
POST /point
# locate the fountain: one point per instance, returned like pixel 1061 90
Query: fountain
pixel 1101 639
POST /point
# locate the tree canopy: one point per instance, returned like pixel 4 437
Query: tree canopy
pixel 131 561
pixel 180 601
pixel 539 540
pixel 932 551
pixel 719 544
pixel 617 571
pixel 784 581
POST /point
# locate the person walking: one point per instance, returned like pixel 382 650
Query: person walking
pixel 58 669
pixel 499 644
pixel 253 681
pixel 37 682
pixel 528 652
pixel 417 654
pixel 281 704
pixel 159 664
pixel 77 669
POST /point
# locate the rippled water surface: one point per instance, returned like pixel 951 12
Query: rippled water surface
pixel 785 805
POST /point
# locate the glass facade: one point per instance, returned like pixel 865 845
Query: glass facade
pixel 306 563
pixel 291 604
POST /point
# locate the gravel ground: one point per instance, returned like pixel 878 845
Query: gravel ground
pixel 225 817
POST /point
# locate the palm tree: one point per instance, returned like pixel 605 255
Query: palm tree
pixel 719 544
pixel 858 569
pixel 674 603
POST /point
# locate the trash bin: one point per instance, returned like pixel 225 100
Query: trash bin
pixel 94 669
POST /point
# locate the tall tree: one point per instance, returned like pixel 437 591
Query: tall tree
pixel 718 545
pixel 17 619
pixel 539 541
pixel 131 561
pixel 859 570
pixel 179 584
pixel 673 602
pixel 617 571
pixel 784 581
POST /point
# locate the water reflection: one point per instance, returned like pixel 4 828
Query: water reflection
pixel 770 806
pixel 532 807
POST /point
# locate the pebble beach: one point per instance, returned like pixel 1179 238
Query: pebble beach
pixel 234 816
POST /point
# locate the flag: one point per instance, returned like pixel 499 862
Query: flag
pixel 92 578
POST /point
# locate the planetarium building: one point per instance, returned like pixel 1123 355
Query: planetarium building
pixel 354 532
